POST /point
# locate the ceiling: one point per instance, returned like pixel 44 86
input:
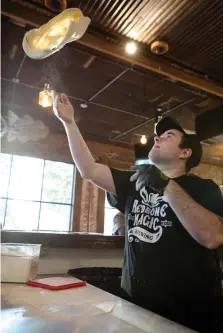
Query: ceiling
pixel 193 29
pixel 122 95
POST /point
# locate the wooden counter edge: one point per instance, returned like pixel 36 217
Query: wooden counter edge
pixel 64 240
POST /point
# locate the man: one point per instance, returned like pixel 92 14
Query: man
pixel 118 224
pixel 174 224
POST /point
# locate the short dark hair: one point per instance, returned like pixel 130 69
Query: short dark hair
pixel 185 143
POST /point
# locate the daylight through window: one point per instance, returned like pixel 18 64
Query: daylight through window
pixel 110 212
pixel 36 194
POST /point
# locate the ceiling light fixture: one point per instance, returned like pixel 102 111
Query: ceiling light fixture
pixel 143 140
pixel 159 47
pixel 84 105
pixel 131 48
pixel 45 98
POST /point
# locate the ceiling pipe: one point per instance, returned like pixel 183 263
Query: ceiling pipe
pixel 153 118
pixel 16 80
pixel 108 85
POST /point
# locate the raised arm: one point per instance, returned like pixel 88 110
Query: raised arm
pixel 98 174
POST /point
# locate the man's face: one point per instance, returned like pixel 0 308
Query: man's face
pixel 166 148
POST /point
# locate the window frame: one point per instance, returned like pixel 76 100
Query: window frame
pixel 71 204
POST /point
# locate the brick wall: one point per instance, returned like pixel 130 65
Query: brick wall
pixel 55 147
pixel 89 200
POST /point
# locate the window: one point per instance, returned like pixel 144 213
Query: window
pixel 36 194
pixel 110 212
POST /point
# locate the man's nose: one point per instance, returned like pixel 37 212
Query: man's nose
pixel 156 139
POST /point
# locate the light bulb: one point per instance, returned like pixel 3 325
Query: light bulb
pixel 45 101
pixel 131 48
pixel 45 98
pixel 143 140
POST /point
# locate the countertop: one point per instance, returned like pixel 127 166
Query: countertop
pixel 79 310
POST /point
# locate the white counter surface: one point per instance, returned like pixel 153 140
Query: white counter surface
pixel 79 310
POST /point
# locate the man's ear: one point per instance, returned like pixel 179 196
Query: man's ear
pixel 185 153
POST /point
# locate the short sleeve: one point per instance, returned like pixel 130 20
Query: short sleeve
pixel 208 194
pixel 122 183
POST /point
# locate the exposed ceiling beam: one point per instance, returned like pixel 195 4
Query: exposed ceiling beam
pixel 35 19
pixel 158 66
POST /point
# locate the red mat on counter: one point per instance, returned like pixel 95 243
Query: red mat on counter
pixel 57 283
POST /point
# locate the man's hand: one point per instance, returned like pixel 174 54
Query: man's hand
pixel 63 108
pixel 149 175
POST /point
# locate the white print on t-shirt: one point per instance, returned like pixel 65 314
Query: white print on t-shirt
pixel 149 218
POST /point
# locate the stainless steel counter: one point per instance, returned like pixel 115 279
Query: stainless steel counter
pixel 79 310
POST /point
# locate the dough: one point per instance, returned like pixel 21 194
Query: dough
pixel 68 26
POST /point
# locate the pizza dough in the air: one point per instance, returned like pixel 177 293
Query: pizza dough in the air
pixel 68 26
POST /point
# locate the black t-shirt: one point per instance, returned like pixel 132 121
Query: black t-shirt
pixel 165 269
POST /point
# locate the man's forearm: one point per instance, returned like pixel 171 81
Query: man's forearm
pixel 203 225
pixel 81 154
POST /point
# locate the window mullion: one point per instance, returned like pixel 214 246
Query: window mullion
pixel 72 197
pixel 7 193
pixel 41 194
